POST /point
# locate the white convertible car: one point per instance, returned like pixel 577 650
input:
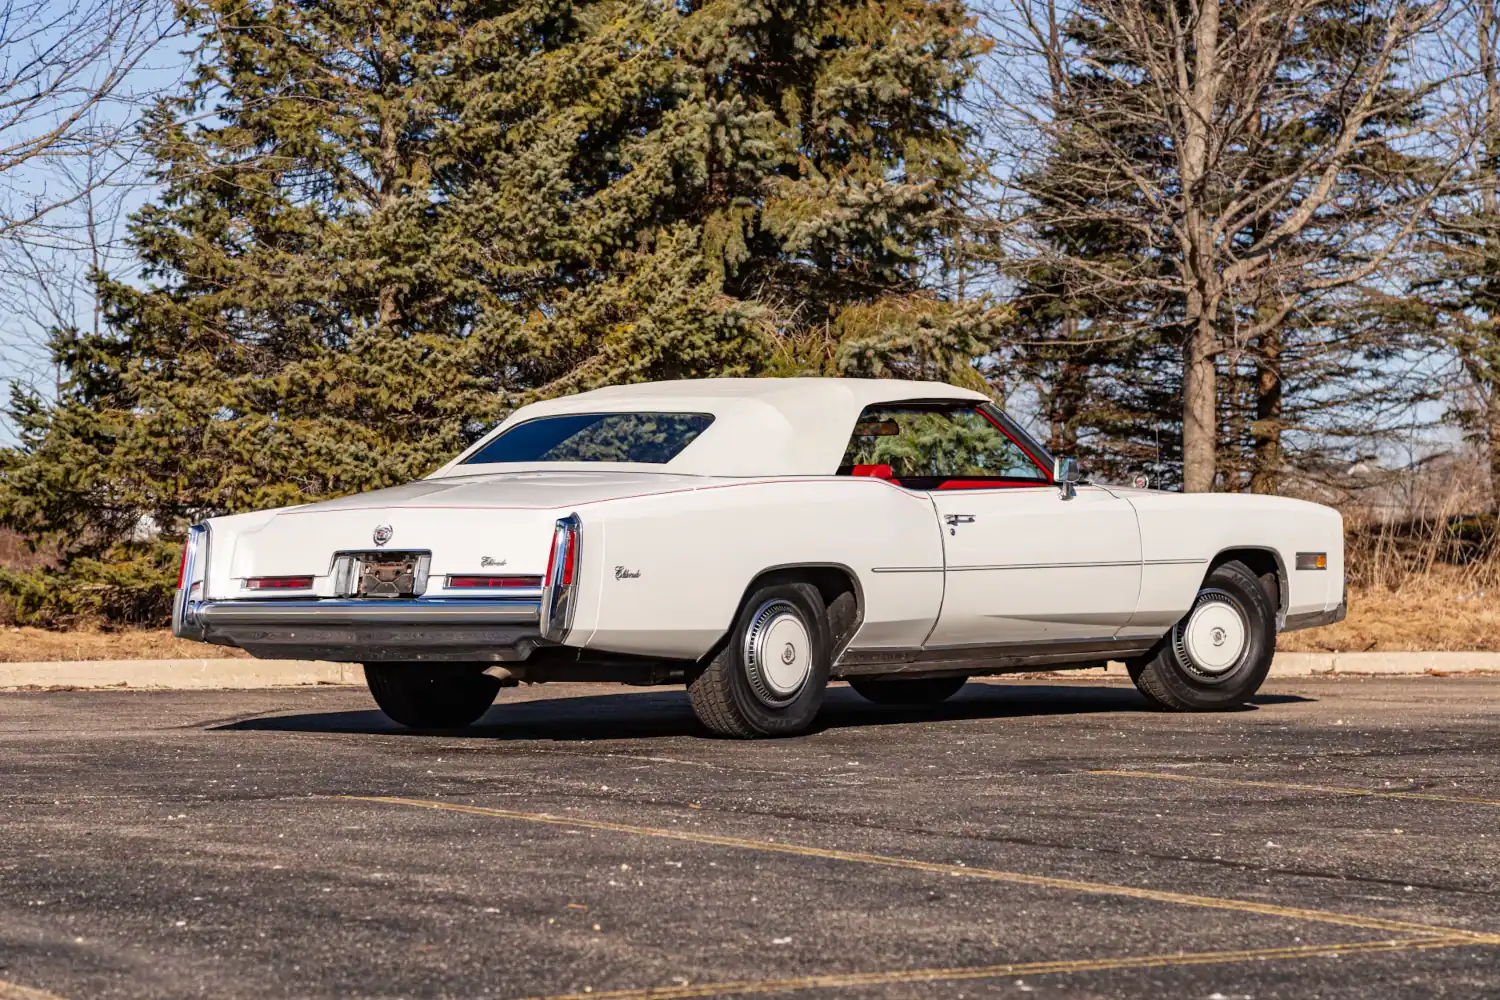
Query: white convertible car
pixel 754 539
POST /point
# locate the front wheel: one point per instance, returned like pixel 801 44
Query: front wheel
pixel 907 691
pixel 1218 655
pixel 431 695
pixel 770 677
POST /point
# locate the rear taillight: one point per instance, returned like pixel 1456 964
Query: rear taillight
pixel 279 583
pixel 564 554
pixel 182 567
pixel 483 582
pixel 562 578
pixel 570 561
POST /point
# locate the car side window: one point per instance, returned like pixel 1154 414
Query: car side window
pixel 937 446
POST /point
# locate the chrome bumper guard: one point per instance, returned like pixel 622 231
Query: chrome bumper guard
pixel 363 631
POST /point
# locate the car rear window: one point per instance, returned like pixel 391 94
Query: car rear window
pixel 649 438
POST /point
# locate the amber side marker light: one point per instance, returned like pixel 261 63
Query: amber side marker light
pixel 481 582
pixel 279 583
pixel 1312 560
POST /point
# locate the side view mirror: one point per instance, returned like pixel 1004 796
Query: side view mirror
pixel 1065 474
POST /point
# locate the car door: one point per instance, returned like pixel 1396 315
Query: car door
pixel 1022 562
pixel 1022 565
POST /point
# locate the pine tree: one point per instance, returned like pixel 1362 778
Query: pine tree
pixel 381 227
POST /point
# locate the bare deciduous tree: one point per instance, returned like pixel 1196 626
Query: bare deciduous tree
pixel 72 80
pixel 1268 159
pixel 1460 291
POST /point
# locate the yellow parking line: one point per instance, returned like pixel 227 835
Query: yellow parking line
pixel 1288 786
pixel 985 874
pixel 10 991
pixel 846 980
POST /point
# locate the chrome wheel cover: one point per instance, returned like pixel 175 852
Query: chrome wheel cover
pixel 1212 640
pixel 778 652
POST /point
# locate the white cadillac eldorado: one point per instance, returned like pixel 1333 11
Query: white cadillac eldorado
pixel 753 539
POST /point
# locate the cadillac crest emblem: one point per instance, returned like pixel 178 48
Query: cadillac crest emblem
pixel 382 534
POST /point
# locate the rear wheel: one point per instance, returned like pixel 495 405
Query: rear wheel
pixel 431 695
pixel 907 691
pixel 770 677
pixel 1218 655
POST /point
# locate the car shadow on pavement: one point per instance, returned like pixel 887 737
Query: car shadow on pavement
pixel 665 713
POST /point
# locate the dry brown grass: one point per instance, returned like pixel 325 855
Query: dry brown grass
pixel 1423 565
pixel 1441 609
pixel 24 645
pixel 16 554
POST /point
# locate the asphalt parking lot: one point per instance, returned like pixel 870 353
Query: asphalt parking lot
pixel 1041 838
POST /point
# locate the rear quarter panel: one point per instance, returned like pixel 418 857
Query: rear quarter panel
pixel 664 575
pixel 1181 534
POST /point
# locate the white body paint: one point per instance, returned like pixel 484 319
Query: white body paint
pixel 668 552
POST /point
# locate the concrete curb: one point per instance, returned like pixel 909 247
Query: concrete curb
pixel 1313 664
pixel 239 672
pixel 249 673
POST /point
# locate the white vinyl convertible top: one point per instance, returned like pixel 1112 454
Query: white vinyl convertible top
pixel 762 426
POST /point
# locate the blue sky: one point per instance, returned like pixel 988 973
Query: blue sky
pixel 85 186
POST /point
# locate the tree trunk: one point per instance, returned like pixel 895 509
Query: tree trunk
pixel 1199 391
pixel 1266 432
pixel 1200 411
pixel 388 174
pixel 1069 390
pixel 1489 390
pixel 1492 441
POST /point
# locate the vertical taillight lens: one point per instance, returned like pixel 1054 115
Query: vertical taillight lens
pixel 561 581
pixel 570 560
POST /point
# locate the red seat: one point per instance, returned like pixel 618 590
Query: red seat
pixel 874 471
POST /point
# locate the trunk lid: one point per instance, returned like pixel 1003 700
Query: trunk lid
pixel 497 525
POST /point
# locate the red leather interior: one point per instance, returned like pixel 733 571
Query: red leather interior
pixel 876 471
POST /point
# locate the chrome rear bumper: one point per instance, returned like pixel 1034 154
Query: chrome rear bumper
pixel 363 631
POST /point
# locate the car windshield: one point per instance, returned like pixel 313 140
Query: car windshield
pixel 649 438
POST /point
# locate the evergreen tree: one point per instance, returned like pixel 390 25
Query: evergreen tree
pixel 381 227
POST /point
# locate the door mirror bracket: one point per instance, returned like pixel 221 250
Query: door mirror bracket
pixel 1065 475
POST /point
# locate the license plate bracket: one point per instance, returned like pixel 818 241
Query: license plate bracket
pixel 381 576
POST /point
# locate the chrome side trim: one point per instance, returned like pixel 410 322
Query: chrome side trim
pixel 1313 619
pixel 1056 565
pixel 1051 565
pixel 990 658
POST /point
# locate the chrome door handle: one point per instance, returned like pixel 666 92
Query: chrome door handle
pixel 953 519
